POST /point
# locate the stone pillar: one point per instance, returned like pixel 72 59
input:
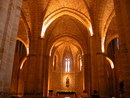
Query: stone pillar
pixel 116 73
pixel 101 74
pixel 4 14
pixel 34 78
pixel 9 13
pixel 122 9
pixel 94 77
pixel 99 77
pixel 87 72
pixel 45 75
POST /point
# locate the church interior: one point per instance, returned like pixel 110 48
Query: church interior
pixel 64 48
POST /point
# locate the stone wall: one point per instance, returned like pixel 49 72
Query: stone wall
pixel 9 13
pixel 58 82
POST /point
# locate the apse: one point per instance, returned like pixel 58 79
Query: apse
pixel 66 67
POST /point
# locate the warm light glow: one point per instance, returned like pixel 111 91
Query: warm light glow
pixel 46 23
pixel 103 50
pixel 91 30
pixel 110 61
pixel 102 46
pixel 53 63
pixel 43 31
pixel 26 45
pixel 67 65
pixel 23 62
pixel 66 11
pixel 27 51
pixel 80 63
pixel 50 51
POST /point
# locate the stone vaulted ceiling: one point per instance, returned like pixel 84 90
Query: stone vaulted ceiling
pixel 98 12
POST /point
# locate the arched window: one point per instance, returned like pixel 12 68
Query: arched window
pixel 67 65
pixel 80 63
pixel 54 63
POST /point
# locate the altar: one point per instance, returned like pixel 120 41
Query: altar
pixel 66 94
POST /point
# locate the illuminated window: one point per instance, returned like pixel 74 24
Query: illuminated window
pixel 54 63
pixel 80 63
pixel 67 65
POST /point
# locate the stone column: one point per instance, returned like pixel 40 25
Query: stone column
pixel 94 77
pixel 9 13
pixel 93 86
pixel 45 74
pixel 122 9
pixel 116 73
pixel 101 74
pixel 34 80
pixel 5 6
pixel 87 72
pixel 99 77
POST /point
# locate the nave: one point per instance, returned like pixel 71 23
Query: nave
pixel 64 48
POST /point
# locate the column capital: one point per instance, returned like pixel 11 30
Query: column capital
pixel 90 37
pixel 36 39
pixel 101 53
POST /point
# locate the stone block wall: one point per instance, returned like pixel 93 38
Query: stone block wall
pixel 58 82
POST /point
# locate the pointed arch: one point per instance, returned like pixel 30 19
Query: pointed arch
pixel 110 62
pixel 109 40
pixel 26 45
pixel 66 11
pixel 111 16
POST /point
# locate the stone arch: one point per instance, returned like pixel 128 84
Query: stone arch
pixel 66 11
pixel 110 68
pixel 54 46
pixel 19 39
pixel 19 60
pixel 110 62
pixel 82 48
pixel 26 45
pixel 109 40
pixel 111 16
